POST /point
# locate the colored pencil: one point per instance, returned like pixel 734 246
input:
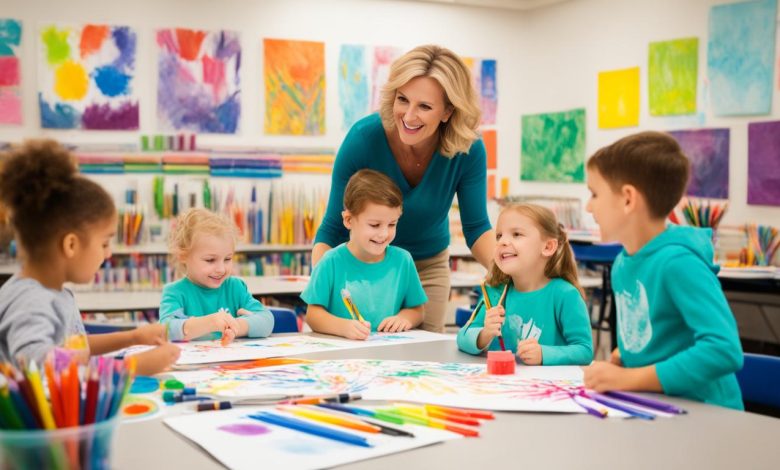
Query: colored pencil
pixel 330 418
pixel 310 428
pixel 646 402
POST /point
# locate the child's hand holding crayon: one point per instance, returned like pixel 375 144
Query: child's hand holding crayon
pixel 153 335
pixel 394 324
pixel 356 329
pixel 494 320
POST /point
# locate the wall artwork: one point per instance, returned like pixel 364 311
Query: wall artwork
pixel 740 57
pixel 86 77
pixel 553 147
pixel 10 65
pixel 380 70
pixel 198 88
pixel 294 87
pixel 353 84
pixel 672 75
pixel 708 151
pixel 619 98
pixel 483 74
pixel 764 163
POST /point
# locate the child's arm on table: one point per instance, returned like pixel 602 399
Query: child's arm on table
pixel 108 342
pixel 322 321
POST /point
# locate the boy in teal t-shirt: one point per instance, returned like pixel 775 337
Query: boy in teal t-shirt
pixel 676 333
pixel 365 284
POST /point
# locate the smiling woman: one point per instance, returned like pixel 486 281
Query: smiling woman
pixel 424 139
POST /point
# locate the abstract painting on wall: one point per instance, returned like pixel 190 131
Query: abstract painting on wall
pixel 198 87
pixel 380 70
pixel 294 87
pixel 764 163
pixel 10 92
pixel 740 57
pixel 672 72
pixel 553 147
pixel 708 151
pixel 353 84
pixel 619 98
pixel 86 77
pixel 489 138
pixel 483 74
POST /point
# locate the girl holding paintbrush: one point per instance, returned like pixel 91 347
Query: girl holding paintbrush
pixel 532 302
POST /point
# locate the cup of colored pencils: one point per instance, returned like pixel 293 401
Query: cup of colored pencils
pixel 763 244
pixel 702 213
pixel 61 415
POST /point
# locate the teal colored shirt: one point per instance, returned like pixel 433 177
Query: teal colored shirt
pixel 671 312
pixel 556 315
pixel 184 299
pixel 379 290
pixel 423 229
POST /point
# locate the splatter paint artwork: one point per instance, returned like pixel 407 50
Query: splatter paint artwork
pixel 198 86
pixel 10 93
pixel 448 384
pixel 353 84
pixel 86 76
pixel 483 75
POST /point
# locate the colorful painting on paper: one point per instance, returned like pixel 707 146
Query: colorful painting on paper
pixel 447 384
pixel 740 57
pixel 764 163
pixel 708 151
pixel 483 74
pixel 672 74
pixel 86 76
pixel 553 147
pixel 619 98
pixel 294 87
pixel 380 70
pixel 353 84
pixel 10 92
pixel 198 87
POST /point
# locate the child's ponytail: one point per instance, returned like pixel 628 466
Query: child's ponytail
pixel 562 263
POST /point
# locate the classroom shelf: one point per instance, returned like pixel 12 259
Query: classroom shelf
pixel 162 248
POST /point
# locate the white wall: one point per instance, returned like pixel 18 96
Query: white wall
pixel 548 60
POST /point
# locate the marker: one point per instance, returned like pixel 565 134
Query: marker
pixel 214 406
pixel 384 429
pixel 646 402
pixel 479 414
pixel 330 418
pixel 339 398
pixel 310 428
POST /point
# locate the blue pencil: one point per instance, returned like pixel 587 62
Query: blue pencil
pixel 309 428
pixel 620 407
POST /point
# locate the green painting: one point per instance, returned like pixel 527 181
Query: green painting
pixel 673 67
pixel 553 147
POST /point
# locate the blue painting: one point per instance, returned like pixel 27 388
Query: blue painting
pixel 353 84
pixel 740 57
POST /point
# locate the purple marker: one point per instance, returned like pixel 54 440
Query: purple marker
pixel 647 402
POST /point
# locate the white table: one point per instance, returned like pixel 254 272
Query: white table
pixel 707 437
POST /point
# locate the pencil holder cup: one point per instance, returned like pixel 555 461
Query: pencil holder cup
pixel 79 447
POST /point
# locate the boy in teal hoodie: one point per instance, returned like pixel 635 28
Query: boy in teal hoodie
pixel 676 333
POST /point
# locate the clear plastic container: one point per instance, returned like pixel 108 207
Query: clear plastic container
pixel 81 447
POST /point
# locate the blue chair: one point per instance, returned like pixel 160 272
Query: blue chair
pixel 99 328
pixel 601 255
pixel 462 315
pixel 759 380
pixel 285 320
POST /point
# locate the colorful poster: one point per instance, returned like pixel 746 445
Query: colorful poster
pixel 294 87
pixel 198 87
pixel 10 92
pixel 86 77
pixel 764 163
pixel 553 147
pixel 380 71
pixel 672 74
pixel 236 440
pixel 544 389
pixel 708 151
pixel 353 84
pixel 483 74
pixel 619 98
pixel 740 57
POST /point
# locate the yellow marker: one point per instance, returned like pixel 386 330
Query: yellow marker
pixel 77 342
pixel 37 388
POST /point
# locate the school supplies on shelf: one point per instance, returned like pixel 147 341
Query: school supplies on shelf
pixel 763 244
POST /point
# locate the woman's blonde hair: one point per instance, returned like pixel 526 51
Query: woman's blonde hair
pixel 196 222
pixel 561 263
pixel 460 131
